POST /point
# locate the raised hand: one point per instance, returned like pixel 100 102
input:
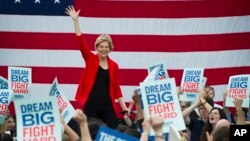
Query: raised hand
pixel 70 10
pixel 157 123
pixel 237 102
pixel 79 116
pixel 136 97
pixel 202 95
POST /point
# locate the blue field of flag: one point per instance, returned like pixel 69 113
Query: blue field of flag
pixel 34 7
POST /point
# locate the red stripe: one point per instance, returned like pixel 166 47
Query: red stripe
pixel 163 9
pixel 129 42
pixel 127 76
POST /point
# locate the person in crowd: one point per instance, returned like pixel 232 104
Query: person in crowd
pixel 214 116
pixel 130 123
pixel 240 114
pixel 132 132
pixel 99 86
pixel 139 111
pixel 93 125
pixel 11 125
pixel 195 125
pixel 184 105
pixel 229 114
pixel 248 115
pixel 222 122
pixel 68 133
pixel 136 124
pixel 220 132
pixel 210 91
pixel 157 124
pixel 4 136
pixel 81 119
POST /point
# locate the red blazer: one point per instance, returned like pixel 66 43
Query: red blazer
pixel 89 75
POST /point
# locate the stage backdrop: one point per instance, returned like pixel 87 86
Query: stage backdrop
pixel 210 34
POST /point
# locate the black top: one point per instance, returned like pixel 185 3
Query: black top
pixel 100 91
pixel 5 137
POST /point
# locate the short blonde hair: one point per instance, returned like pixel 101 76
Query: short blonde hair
pixel 102 38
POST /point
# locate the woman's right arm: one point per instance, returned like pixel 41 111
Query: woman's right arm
pixel 70 10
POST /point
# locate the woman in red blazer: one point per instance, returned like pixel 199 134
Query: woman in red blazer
pixel 99 86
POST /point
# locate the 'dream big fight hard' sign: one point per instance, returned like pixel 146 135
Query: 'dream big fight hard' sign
pixel 160 99
pixel 19 81
pixel 5 98
pixel 157 72
pixel 238 86
pixel 65 108
pixel 38 120
pixel 3 83
pixel 191 82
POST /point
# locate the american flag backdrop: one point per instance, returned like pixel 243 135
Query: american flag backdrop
pixel 211 34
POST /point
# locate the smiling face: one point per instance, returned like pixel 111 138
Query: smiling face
pixel 103 49
pixel 11 124
pixel 214 116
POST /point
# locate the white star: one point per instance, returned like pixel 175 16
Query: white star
pixel 37 1
pixel 57 1
pixel 17 1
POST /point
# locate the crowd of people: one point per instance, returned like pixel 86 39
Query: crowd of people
pixel 209 124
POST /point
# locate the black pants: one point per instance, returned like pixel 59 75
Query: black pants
pixel 104 112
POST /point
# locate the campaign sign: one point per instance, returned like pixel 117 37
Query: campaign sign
pixel 65 108
pixel 3 83
pixel 157 72
pixel 5 98
pixel 174 134
pixel 160 99
pixel 238 86
pixel 19 81
pixel 107 134
pixel 38 119
pixel 191 83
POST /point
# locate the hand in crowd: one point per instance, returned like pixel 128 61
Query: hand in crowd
pixel 79 116
pixel 157 124
pixel 202 95
pixel 237 102
pixel 69 132
pixel 136 97
pixel 225 95
pixel 209 137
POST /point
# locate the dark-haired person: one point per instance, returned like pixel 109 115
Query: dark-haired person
pixel 195 125
pixel 215 115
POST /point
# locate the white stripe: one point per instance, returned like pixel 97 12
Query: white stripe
pixel 69 90
pixel 131 26
pixel 127 60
